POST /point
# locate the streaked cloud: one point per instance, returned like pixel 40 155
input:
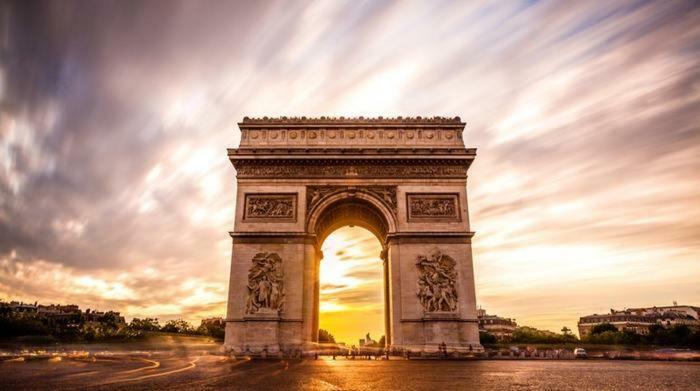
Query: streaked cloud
pixel 115 189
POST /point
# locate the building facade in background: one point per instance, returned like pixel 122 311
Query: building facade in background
pixel 498 326
pixel 640 320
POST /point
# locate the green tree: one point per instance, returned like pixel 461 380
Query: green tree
pixel 179 326
pixel 325 337
pixel 212 329
pixel 526 334
pixel 486 338
pixel 603 327
pixel 147 324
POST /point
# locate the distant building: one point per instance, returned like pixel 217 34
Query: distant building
pixel 502 328
pixel 18 306
pixel 640 320
pixel 69 314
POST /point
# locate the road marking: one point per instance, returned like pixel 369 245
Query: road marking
pixel 80 374
pixel 154 364
pixel 191 365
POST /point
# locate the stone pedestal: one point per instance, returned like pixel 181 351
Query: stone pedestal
pixel 262 333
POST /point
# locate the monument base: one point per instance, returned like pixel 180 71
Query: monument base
pixel 441 334
pixel 261 333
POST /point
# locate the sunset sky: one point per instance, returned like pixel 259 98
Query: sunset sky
pixel 116 191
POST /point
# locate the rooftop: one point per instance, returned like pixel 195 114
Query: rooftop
pixel 323 120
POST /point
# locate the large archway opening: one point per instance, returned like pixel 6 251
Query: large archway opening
pixel 351 227
pixel 351 293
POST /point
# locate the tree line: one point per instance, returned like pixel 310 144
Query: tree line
pixel 605 334
pixel 76 326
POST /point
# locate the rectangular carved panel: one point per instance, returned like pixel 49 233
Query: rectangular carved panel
pixel 277 206
pixel 433 206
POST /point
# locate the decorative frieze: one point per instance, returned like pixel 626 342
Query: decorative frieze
pixel 437 277
pixel 265 285
pixel 315 194
pixel 388 137
pixel 270 206
pixel 438 206
pixel 336 170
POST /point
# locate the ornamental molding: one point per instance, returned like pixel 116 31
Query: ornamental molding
pixel 324 120
pixel 349 171
pixel 316 194
pixel 328 137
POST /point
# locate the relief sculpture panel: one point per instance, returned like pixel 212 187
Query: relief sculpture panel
pixel 265 285
pixel 433 206
pixel 270 206
pixel 437 276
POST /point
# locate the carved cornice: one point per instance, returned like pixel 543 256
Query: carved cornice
pixel 323 120
pixel 344 170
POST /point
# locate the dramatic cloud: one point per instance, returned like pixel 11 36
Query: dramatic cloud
pixel 115 189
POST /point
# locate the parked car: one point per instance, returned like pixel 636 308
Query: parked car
pixel 580 353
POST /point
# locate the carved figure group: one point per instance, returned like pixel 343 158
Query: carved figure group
pixel 270 207
pixel 439 207
pixel 265 283
pixel 437 276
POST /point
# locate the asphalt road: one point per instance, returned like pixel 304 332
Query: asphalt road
pixel 203 370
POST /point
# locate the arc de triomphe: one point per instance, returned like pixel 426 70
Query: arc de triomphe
pixel 403 179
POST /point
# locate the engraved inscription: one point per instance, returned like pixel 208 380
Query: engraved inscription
pixel 270 206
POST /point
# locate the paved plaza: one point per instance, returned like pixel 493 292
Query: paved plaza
pixel 191 371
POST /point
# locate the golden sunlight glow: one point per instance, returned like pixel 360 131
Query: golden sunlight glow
pixel 351 298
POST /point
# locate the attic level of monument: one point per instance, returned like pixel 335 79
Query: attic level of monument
pixel 397 133
pixel 351 121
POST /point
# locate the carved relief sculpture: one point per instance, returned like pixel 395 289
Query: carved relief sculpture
pixel 341 171
pixel 265 284
pixel 437 276
pixel 314 194
pixel 275 206
pixel 433 206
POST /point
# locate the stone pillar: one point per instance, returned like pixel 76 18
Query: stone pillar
pixel 310 297
pixel 387 294
pixel 393 283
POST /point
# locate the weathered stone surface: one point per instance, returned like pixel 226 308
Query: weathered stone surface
pixel 402 179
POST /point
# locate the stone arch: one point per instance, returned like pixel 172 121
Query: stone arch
pixel 351 207
pixel 348 207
